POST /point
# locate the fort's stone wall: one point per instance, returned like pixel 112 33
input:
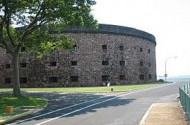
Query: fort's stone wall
pixel 109 54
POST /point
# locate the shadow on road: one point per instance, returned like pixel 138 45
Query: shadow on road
pixel 58 101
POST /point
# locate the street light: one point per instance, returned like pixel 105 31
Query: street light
pixel 165 75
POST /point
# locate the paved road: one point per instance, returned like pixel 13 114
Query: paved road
pixel 126 108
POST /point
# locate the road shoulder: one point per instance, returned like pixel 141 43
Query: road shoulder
pixel 164 114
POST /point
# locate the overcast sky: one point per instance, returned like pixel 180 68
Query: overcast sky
pixel 167 20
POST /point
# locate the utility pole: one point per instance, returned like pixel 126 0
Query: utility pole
pixel 166 75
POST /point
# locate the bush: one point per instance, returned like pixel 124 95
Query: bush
pixel 160 80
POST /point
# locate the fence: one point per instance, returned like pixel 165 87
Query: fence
pixel 184 92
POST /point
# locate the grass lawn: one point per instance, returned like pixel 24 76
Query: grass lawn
pixel 9 100
pixel 118 88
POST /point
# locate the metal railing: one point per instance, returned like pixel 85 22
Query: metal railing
pixel 184 92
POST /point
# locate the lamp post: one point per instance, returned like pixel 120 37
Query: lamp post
pixel 166 75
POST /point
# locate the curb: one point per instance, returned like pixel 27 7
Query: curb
pixel 145 115
pixel 30 111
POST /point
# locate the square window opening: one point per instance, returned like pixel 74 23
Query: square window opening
pixel 73 63
pixel 141 63
pixel 53 63
pixel 23 80
pixel 122 63
pixel 121 48
pixel 7 80
pixel 74 78
pixel 105 62
pixel 150 76
pixel 149 64
pixel 23 65
pixel 104 47
pixel 148 50
pixel 105 78
pixel 141 77
pixel 53 79
pixel 8 66
pixel 122 77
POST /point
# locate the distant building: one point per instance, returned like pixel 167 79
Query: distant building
pixel 115 54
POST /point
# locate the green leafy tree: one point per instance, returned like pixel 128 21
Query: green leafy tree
pixel 34 25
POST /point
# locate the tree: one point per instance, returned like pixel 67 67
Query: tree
pixel 34 25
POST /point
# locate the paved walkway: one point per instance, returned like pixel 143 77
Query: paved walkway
pixel 164 114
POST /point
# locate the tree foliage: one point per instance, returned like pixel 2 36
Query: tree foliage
pixel 31 15
pixel 27 23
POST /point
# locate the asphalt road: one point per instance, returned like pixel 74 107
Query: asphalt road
pixel 125 108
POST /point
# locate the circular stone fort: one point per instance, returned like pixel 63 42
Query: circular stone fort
pixel 110 54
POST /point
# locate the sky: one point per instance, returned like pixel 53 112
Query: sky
pixel 167 20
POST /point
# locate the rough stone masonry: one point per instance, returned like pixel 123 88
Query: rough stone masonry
pixel 110 54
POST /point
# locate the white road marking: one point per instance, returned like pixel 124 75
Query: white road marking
pixel 61 109
pixel 52 119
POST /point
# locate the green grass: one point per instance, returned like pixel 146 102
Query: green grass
pixel 9 100
pixel 118 88
pixel 6 100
